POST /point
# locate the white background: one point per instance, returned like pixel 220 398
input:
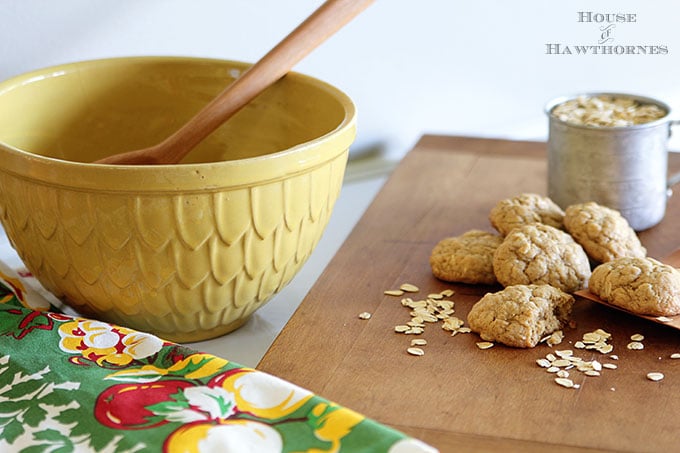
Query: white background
pixel 412 66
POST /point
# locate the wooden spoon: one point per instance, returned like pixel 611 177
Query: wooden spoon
pixel 324 22
pixel 673 321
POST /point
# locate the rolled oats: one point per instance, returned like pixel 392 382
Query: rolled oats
pixel 564 382
pixel 409 288
pixel 635 345
pixel 607 111
pixel 654 376
pixel 543 363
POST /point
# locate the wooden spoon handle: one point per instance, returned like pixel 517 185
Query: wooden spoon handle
pixel 324 22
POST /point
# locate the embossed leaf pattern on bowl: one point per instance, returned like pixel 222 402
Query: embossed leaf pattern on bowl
pixel 144 250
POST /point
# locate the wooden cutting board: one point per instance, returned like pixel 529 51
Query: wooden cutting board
pixel 457 397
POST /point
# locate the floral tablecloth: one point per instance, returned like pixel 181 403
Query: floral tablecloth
pixel 74 384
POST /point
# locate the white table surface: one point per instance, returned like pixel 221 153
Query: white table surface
pixel 248 344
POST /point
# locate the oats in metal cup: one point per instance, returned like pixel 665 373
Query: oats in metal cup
pixel 612 149
pixel 607 111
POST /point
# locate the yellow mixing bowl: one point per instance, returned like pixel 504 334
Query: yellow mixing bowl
pixel 184 251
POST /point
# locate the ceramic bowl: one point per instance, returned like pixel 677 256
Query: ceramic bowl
pixel 187 252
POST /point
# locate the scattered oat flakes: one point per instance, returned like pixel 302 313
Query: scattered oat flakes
pixel 427 317
pixel 610 366
pixel 451 324
pixel 418 342
pixel 553 339
pixel 432 309
pixel 663 319
pixel 415 351
pixel 365 315
pixel 635 345
pixel 454 325
pixel 543 363
pixel 675 355
pixel 445 305
pixel 596 340
pixel 485 345
pixel 565 382
pixel 637 337
pixel 560 363
pixel 562 360
pixel 406 301
pixel 605 348
pixel 409 288
pixel 393 292
pixel 654 376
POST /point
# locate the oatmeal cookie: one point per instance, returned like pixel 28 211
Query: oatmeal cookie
pixel 541 254
pixel 521 315
pixel 603 232
pixel 641 285
pixel 467 258
pixel 523 209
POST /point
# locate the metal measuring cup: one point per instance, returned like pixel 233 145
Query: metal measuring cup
pixel 622 167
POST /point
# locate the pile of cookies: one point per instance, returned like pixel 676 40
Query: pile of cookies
pixel 540 254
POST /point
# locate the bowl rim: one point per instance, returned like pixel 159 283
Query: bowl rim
pixel 177 177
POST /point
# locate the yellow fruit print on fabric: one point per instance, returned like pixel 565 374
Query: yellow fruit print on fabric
pixel 15 287
pixel 332 423
pixel 227 436
pixel 194 366
pixel 104 343
pixel 263 395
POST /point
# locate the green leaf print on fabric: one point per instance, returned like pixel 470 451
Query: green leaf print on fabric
pixel 29 398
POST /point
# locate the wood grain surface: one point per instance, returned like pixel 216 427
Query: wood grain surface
pixel 457 397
